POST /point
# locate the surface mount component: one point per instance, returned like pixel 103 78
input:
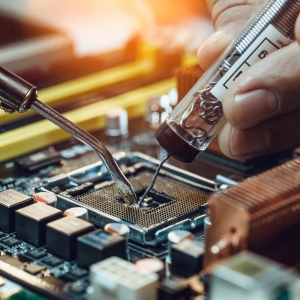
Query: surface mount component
pixel 62 234
pixel 177 200
pixel 187 257
pixel 10 201
pixel 31 222
pixel 99 245
pixel 261 214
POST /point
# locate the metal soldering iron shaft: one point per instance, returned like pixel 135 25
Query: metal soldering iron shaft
pixel 153 180
pixel 124 187
pixel 16 94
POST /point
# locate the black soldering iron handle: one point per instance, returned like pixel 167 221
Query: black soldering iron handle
pixel 16 94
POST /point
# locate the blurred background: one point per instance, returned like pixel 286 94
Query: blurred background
pixel 89 56
pixel 97 26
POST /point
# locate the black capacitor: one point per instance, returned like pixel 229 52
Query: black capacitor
pixel 187 257
pixel 31 222
pixel 62 235
pixel 176 236
pixel 10 201
pixel 99 245
pixel 173 289
pixel 151 265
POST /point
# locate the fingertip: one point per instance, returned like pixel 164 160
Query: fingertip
pixel 243 143
pixel 297 29
pixel 229 108
pixel 214 45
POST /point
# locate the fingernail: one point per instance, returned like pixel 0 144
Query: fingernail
pixel 247 141
pixel 254 107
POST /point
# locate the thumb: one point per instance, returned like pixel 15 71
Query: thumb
pixel 262 107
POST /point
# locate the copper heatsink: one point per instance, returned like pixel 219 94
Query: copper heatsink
pixel 261 214
pixel 186 77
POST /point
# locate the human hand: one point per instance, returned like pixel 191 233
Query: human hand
pixel 262 106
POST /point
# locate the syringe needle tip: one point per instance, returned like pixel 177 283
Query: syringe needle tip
pixel 153 180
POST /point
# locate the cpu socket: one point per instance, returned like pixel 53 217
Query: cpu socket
pixel 177 200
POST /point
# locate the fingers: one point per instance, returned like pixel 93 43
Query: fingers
pixel 268 89
pixel 274 135
pixel 262 107
pixel 228 18
pixel 224 12
pixel 297 29
pixel 214 45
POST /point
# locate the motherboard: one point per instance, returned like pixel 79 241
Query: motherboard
pixel 214 229
pixel 177 201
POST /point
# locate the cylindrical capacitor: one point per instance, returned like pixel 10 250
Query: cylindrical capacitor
pixel 117 228
pixel 207 223
pixel 77 212
pixel 151 265
pixel 116 122
pixel 45 198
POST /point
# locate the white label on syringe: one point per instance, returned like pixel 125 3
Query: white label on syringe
pixel 268 41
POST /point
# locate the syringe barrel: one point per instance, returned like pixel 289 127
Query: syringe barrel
pixel 198 118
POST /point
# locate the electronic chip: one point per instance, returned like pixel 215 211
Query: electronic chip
pixel 62 233
pixel 79 272
pixel 31 222
pixel 39 160
pixel 10 201
pixel 11 241
pixel 34 269
pixel 37 253
pixel 53 261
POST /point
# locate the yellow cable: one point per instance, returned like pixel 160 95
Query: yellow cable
pixel 65 92
pixel 91 117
